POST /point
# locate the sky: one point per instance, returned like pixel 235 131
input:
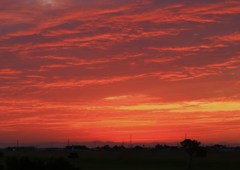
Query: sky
pixel 115 70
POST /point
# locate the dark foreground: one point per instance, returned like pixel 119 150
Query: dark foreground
pixel 115 160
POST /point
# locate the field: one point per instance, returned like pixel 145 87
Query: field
pixel 128 160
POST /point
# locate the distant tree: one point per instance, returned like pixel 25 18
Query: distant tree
pixel 158 147
pixel 193 149
pixel 118 148
pixel 106 148
pixel 138 148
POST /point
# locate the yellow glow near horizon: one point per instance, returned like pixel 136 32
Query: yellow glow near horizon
pixel 196 106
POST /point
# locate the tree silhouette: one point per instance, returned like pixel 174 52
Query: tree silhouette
pixel 193 149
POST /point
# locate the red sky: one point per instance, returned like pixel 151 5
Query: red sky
pixel 105 70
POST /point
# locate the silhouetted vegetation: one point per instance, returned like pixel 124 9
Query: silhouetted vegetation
pixel 193 149
pixel 17 148
pixel 108 157
pixel 77 147
pixel 118 148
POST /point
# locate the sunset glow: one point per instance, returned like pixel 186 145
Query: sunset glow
pixel 106 70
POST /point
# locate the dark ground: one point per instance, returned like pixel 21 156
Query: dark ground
pixel 116 160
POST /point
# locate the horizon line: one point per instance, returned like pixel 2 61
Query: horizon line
pixel 102 143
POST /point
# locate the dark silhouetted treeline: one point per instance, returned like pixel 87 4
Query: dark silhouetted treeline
pixel 158 147
pixel 72 157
